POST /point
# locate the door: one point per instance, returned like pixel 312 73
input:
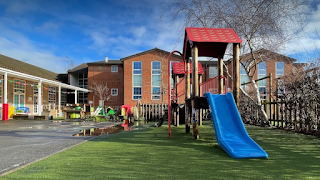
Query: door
pixel 18 100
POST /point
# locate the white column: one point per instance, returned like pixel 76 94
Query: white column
pixel 59 100
pixel 40 97
pixel 5 88
pixel 75 96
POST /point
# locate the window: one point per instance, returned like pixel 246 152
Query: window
pixel 114 92
pixel 262 84
pixel 279 69
pixel 63 97
pixel 137 80
pixel 172 80
pixel 52 95
pixel 244 77
pixel 19 93
pixel 83 83
pixel 156 80
pixel 114 68
pixel 35 99
pixel 213 72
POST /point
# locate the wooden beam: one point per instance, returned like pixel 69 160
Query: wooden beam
pixel 236 73
pixel 187 96
pixel 195 91
pixel 220 74
pixel 201 94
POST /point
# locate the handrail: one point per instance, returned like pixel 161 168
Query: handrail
pixel 214 86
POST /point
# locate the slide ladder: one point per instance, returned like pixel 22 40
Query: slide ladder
pixel 230 131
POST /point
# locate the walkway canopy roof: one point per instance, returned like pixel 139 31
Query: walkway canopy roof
pixel 211 42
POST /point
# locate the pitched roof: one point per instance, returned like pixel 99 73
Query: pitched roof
pixel 110 62
pixel 81 68
pixel 268 53
pixel 148 51
pixel 20 66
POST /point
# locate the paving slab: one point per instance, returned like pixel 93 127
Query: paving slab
pixel 26 141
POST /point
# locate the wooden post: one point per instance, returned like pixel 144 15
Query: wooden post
pixel 201 94
pixel 220 75
pixel 236 73
pixel 195 91
pixel 187 95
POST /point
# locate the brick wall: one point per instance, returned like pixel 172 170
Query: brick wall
pixel 146 59
pixel 102 73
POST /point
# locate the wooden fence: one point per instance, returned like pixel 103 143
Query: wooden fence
pixel 152 112
pixel 290 116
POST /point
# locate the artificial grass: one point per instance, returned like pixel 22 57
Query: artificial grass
pixel 148 153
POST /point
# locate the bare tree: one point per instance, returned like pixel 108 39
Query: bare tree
pixel 101 90
pixel 260 24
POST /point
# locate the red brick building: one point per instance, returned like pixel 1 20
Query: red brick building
pixel 100 72
pixel 146 76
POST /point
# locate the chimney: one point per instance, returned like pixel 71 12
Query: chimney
pixel 106 59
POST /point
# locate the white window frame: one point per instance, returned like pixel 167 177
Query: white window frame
pixel 83 96
pixel 114 90
pixel 114 70
pixel 133 95
pixel 155 96
pixel 52 95
pixel 243 73
pixel 262 74
pixel 19 89
pixel 279 75
pixel 211 74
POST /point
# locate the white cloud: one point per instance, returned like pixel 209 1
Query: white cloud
pixel 49 27
pixel 138 32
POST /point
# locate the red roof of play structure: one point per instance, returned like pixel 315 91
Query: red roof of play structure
pixel 178 68
pixel 211 42
pixel 212 35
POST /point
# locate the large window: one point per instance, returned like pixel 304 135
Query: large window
pixel 213 72
pixel 279 73
pixel 114 68
pixel 137 80
pixel 83 83
pixel 35 99
pixel 262 72
pixel 244 77
pixel 19 93
pixel 156 80
pixel 279 69
pixel 172 80
pixel 52 95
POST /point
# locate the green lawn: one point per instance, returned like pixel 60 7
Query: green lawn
pixel 148 153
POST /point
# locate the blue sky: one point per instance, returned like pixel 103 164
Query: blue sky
pixel 44 32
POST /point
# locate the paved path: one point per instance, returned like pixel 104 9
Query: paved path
pixel 25 141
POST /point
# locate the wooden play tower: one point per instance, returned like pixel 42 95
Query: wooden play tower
pixel 206 42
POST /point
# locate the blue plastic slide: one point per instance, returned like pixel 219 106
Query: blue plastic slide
pixel 229 128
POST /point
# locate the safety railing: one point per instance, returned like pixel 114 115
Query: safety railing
pixel 212 86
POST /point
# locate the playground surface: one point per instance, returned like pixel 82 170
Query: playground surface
pixel 147 153
pixel 26 141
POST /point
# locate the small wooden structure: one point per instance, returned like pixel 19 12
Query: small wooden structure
pixel 208 42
